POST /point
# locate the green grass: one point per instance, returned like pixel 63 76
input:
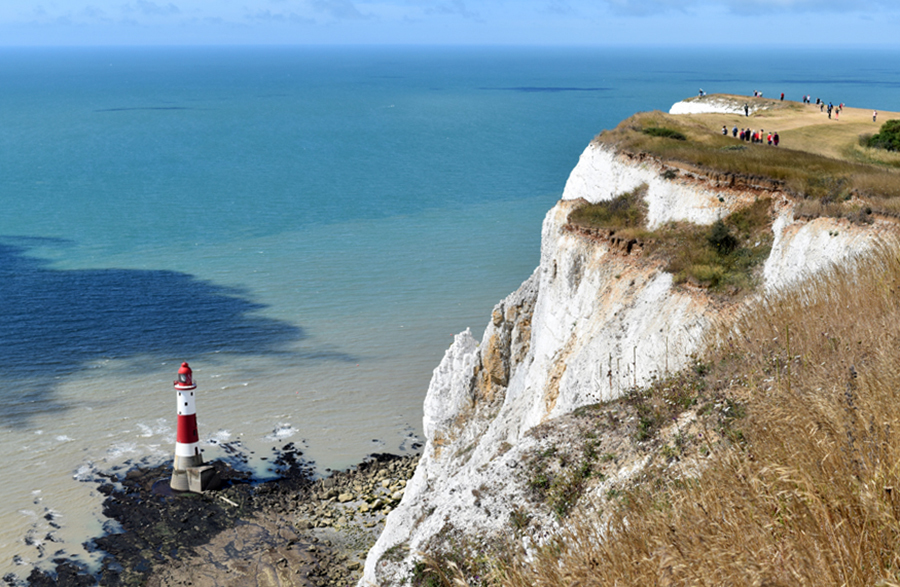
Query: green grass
pixel 660 131
pixel 627 211
pixel 799 173
pixel 722 257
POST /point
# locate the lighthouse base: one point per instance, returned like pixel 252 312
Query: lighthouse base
pixel 195 479
pixel 186 462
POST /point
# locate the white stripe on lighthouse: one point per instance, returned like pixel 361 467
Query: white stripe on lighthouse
pixel 186 403
pixel 185 450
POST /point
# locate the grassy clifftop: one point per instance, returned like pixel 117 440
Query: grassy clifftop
pixel 819 160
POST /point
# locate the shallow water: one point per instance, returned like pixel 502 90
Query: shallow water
pixel 308 227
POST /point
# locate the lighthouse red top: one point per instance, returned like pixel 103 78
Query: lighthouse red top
pixel 185 378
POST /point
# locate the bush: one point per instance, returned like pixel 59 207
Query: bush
pixel 721 239
pixel 888 138
pixel 661 131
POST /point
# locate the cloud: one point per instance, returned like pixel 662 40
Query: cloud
pixel 802 6
pixel 455 7
pixel 741 7
pixel 339 9
pixel 558 7
pixel 153 9
pixel 92 12
pixel 645 7
pixel 279 17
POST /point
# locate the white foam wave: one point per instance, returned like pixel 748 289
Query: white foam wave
pixel 117 450
pixel 160 427
pixel 84 472
pixel 64 438
pixel 282 431
pixel 219 437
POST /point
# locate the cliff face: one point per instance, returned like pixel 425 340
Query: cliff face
pixel 594 319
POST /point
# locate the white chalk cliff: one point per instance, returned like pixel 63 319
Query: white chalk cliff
pixel 593 319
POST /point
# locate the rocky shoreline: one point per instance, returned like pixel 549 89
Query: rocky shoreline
pixel 295 530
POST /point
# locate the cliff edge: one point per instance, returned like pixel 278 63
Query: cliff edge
pixel 602 314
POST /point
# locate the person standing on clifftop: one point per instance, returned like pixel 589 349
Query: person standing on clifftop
pixel 874 115
pixel 746 110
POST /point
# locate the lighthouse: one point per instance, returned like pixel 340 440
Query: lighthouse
pixel 189 473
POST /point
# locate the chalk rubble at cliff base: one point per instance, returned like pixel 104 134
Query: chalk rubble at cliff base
pixel 293 530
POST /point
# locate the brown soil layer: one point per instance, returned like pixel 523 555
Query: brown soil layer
pixel 292 531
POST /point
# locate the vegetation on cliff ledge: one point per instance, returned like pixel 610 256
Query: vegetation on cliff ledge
pixel 722 257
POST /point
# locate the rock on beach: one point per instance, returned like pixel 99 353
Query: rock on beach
pixel 295 530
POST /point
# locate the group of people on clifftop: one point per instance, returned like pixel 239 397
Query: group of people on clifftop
pixel 753 136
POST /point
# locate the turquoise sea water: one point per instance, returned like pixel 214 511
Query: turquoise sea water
pixel 307 226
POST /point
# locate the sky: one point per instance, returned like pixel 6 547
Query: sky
pixel 807 23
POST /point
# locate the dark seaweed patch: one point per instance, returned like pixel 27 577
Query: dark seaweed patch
pixel 144 108
pixel 546 89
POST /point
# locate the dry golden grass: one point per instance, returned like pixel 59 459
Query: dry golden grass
pixel 809 495
pixel 812 497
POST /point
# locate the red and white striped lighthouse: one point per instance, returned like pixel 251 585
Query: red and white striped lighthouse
pixel 189 474
pixel 187 440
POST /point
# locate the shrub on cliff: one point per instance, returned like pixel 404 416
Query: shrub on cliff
pixel 667 133
pixel 888 137
pixel 721 239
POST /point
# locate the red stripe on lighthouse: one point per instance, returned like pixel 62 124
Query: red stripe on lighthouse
pixel 187 429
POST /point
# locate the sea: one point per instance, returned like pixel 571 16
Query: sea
pixel 308 227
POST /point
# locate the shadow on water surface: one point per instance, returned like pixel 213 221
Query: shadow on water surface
pixel 54 322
